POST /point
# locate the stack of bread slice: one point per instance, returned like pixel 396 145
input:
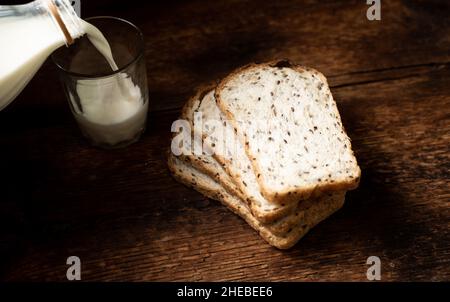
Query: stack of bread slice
pixel 268 143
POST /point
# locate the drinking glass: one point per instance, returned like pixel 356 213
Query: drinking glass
pixel 109 106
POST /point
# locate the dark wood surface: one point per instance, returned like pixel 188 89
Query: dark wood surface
pixel 125 217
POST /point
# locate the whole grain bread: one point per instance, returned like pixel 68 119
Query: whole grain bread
pixel 281 225
pixel 203 162
pixel 204 184
pixel 208 165
pixel 240 179
pixel 299 147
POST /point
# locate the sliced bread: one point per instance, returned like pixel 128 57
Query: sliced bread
pixel 281 221
pixel 203 162
pixel 296 141
pixel 229 152
pixel 208 187
pixel 279 226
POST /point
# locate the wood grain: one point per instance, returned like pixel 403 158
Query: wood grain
pixel 125 217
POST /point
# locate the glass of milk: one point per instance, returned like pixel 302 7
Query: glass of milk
pixel 105 80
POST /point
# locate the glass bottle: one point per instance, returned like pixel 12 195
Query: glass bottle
pixel 29 33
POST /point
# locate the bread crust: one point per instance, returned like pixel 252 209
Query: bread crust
pixel 309 217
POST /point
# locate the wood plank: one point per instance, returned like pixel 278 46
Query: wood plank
pixel 128 220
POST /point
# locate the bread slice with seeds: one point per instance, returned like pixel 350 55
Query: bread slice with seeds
pixel 298 146
pixel 281 221
pixel 229 152
pixel 205 163
pixel 281 225
pixel 310 217
pixel 263 211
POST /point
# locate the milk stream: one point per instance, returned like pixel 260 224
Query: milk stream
pixel 112 108
pixel 99 41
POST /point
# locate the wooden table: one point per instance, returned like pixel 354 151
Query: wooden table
pixel 127 219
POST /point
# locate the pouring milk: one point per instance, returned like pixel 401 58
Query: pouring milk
pixel 31 32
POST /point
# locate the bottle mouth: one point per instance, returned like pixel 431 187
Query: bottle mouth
pixel 55 14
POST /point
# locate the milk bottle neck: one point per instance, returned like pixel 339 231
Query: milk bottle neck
pixel 65 18
pixel 60 12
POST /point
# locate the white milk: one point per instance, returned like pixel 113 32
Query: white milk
pixel 113 114
pixel 22 52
